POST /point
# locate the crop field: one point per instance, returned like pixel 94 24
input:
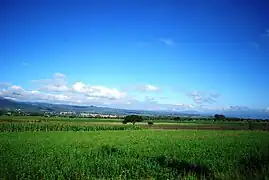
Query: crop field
pixel 57 124
pixel 52 119
pixel 82 148
pixel 135 154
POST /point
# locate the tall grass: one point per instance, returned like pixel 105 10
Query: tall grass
pixel 36 127
pixel 143 154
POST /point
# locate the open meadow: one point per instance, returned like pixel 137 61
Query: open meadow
pixel 68 149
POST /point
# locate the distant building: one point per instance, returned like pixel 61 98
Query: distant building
pixel 67 113
pixel 85 114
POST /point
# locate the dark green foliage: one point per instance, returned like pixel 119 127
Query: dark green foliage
pixel 250 126
pixel 233 119
pixel 108 150
pixel 190 119
pixel 146 118
pixel 254 166
pixel 150 123
pixel 181 167
pixel 133 119
pixel 177 118
pixel 219 117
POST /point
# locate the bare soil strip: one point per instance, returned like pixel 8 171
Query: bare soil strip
pixel 204 127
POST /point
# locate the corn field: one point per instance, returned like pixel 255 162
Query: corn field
pixel 40 127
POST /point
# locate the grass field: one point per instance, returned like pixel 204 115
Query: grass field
pixel 158 124
pixel 154 154
pixel 110 150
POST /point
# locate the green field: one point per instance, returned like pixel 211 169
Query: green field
pixel 135 154
pixel 88 148
pixel 158 124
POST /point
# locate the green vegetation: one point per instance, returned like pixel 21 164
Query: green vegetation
pixel 22 127
pixel 132 119
pixel 219 117
pixel 95 148
pixel 56 122
pixel 146 154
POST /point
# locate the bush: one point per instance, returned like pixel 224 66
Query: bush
pixel 133 119
pixel 177 119
pixel 150 123
pixel 219 117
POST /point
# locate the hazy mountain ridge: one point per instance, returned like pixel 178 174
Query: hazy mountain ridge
pixel 41 107
pixel 48 107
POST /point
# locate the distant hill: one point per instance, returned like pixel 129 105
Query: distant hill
pixel 10 104
pixel 47 107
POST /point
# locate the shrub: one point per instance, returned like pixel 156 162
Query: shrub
pixel 177 119
pixel 150 123
pixel 133 119
pixel 219 117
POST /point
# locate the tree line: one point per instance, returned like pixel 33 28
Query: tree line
pixel 217 117
pixel 139 118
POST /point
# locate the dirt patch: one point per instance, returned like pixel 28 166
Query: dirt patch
pixel 198 127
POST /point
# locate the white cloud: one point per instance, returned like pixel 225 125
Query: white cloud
pixel 34 92
pixel 57 90
pixel 168 42
pixel 102 96
pixel 57 83
pixel 54 88
pixel 89 95
pixel 98 91
pixel 201 98
pixel 104 92
pixel 16 87
pixel 21 94
pixel 148 88
pixel 79 87
pixel 59 75
pixel 236 108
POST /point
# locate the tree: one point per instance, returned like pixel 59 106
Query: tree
pixel 133 119
pixel 177 118
pixel 2 112
pixel 219 117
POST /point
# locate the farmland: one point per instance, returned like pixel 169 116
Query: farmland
pixel 51 148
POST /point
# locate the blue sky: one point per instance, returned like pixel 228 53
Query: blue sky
pixel 136 54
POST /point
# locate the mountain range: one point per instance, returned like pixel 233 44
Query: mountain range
pixel 8 104
pixel 240 112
